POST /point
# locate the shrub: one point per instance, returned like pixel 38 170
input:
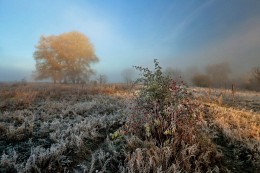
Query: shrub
pixel 163 108
pixel 166 114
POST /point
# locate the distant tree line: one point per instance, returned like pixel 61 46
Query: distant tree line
pixel 218 76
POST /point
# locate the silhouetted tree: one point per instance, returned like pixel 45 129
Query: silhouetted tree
pixel 256 73
pixel 218 73
pixel 254 80
pixel 128 75
pixel 64 57
pixel 201 80
pixel 102 79
pixel 174 74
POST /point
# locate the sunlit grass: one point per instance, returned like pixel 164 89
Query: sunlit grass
pixel 81 127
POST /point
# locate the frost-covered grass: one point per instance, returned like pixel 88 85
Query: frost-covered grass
pixel 80 128
pixel 232 120
pixel 243 100
pixel 237 134
pixel 57 132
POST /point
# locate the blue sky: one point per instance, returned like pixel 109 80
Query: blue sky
pixel 180 33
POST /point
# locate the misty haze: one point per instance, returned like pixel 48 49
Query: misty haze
pixel 130 86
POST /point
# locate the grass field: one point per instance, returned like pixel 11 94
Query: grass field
pixel 81 128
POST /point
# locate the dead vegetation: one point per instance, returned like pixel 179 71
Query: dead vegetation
pixel 80 128
pixel 234 125
pixel 59 129
pixel 241 100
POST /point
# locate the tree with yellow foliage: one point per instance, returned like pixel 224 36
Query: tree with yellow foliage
pixel 66 57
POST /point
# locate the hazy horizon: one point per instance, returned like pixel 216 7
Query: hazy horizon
pixel 180 34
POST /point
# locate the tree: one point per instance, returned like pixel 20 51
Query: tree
pixel 64 57
pixel 102 79
pixel 218 73
pixel 174 74
pixel 128 75
pixel 201 80
pixel 256 73
pixel 254 80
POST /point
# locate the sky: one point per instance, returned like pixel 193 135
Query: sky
pixel 179 33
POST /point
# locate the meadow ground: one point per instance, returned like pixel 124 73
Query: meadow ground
pixel 80 128
pixel 234 122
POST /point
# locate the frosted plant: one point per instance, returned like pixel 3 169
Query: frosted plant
pixel 68 130
pixel 9 160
